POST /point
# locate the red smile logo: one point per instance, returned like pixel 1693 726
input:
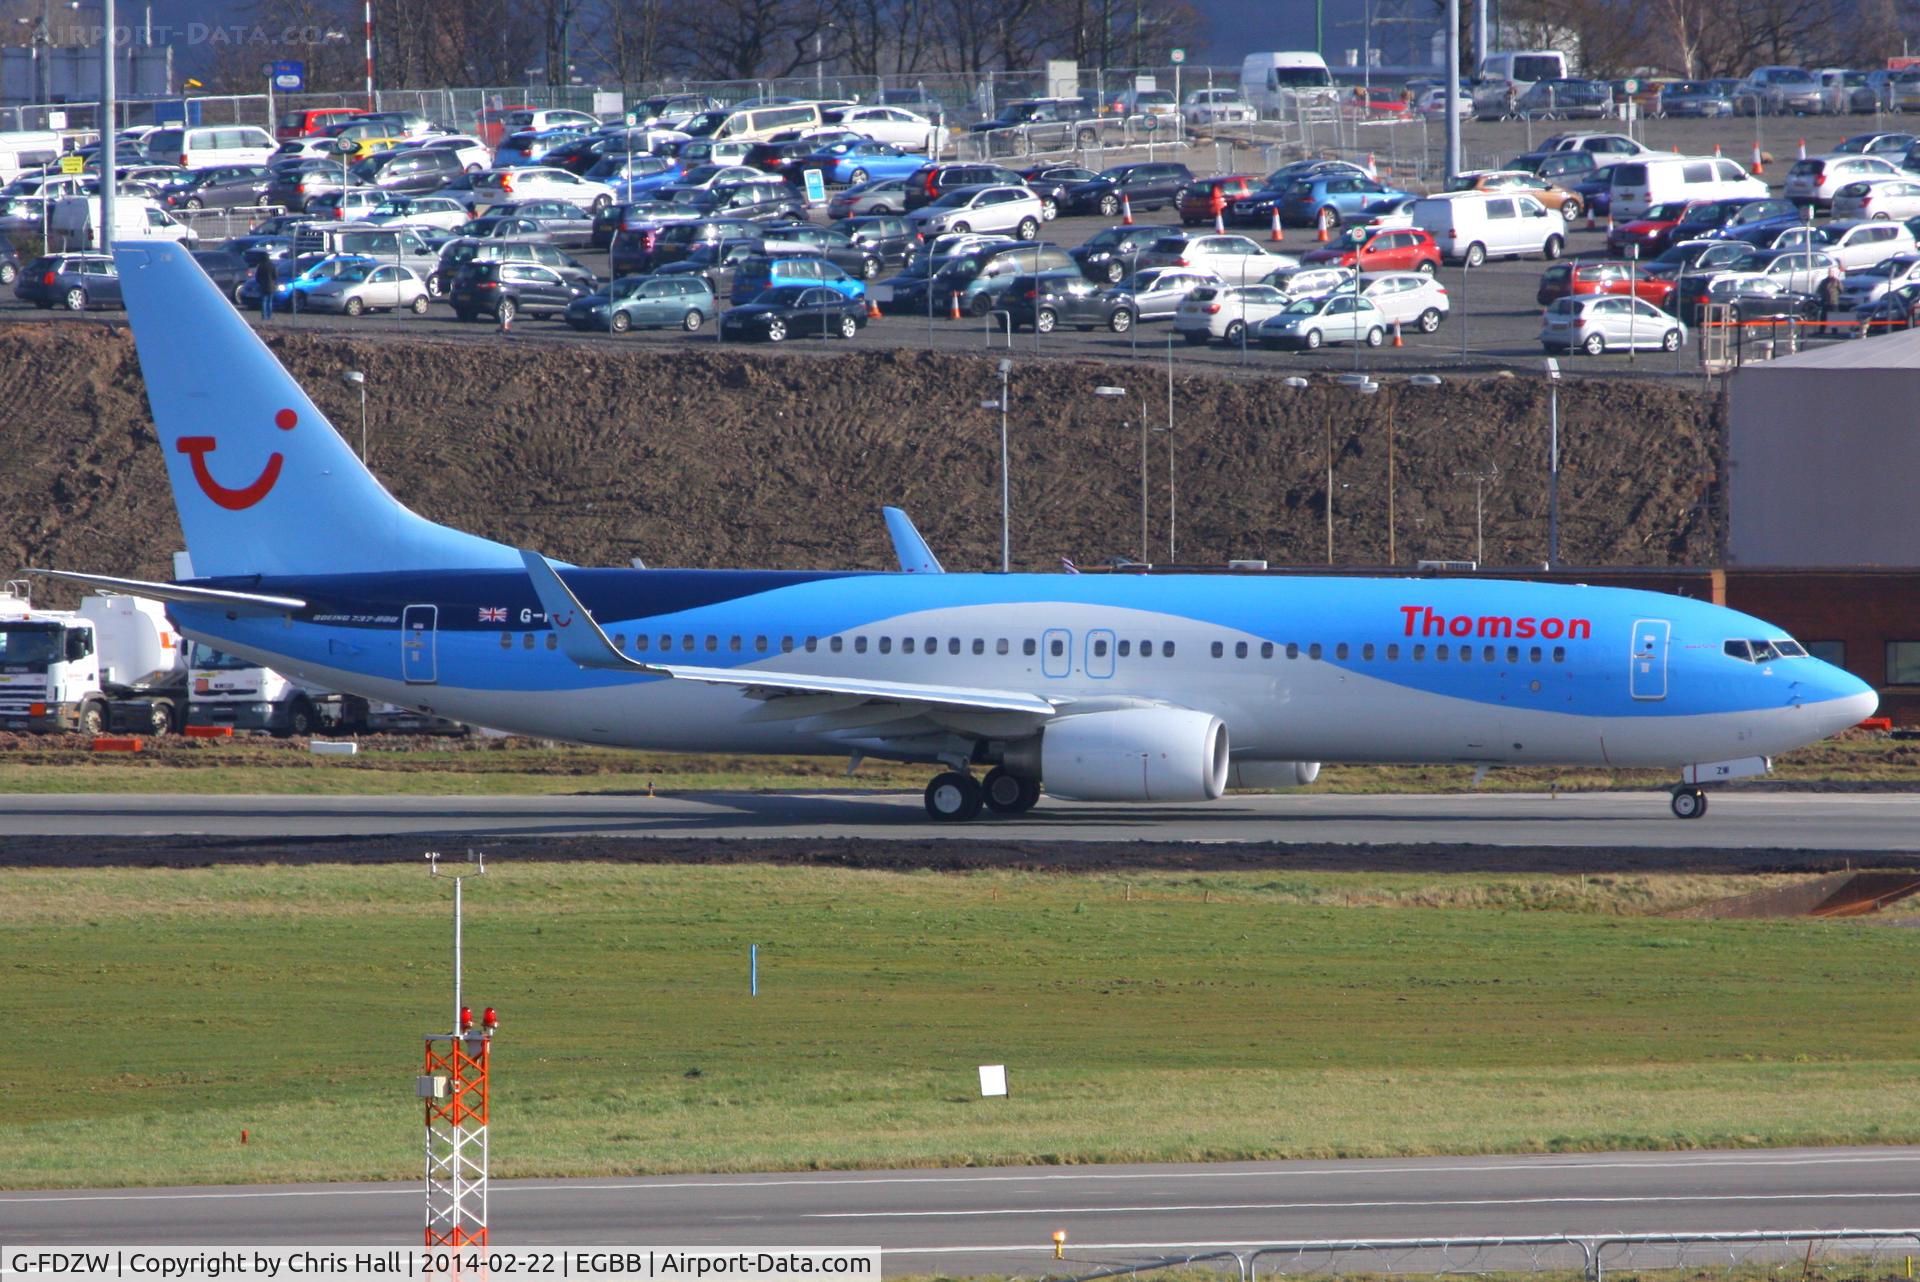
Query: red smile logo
pixel 235 500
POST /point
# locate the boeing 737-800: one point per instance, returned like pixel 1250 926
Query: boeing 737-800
pixel 1108 687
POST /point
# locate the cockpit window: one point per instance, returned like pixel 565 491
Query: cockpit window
pixel 1763 651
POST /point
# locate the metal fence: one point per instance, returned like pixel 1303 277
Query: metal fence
pixel 1818 1255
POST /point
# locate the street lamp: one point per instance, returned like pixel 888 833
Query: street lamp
pixel 1006 538
pixel 358 381
pixel 1122 394
pixel 1553 463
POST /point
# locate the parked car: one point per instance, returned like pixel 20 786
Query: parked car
pixel 1816 180
pixel 645 302
pixel 1570 279
pixel 1562 168
pixel 831 243
pixel 1155 293
pixel 1052 182
pixel 412 171
pixel 1699 255
pixel 880 196
pixel 1889 198
pixel 887 238
pixel 1896 90
pixel 1651 232
pixel 533 146
pixel 219 187
pixel 1205 108
pixel 1472 226
pixel 1328 199
pixel 443 212
pixel 637 250
pixel 1596 324
pixel 344 206
pixel 1311 323
pixel 1408 299
pixel 1114 254
pixel 1639 184
pixel 1310 280
pixel 1232 258
pixel 1866 285
pixel 1843 91
pixel 931 181
pixel 1715 219
pixel 1565 99
pixel 1367 249
pixel 1549 193
pixel 1055 298
pixel 73 281
pixel 1754 299
pixel 466 251
pixel 1777 91
pixel 1864 243
pixel 308 122
pixel 503 290
pixel 1598 144
pixel 555 220
pixel 473 155
pixel 1207 198
pixel 1780 233
pixel 859 162
pixel 534 182
pixel 224 267
pixel 1800 271
pixel 991 207
pixel 756 274
pixel 892 123
pixel 1895 309
pixel 976 277
pixel 1595 188
pixel 1697 98
pixel 369 287
pixel 1141 186
pixel 794 311
pixel 1224 312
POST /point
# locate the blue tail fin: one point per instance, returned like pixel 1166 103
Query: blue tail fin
pixel 263 482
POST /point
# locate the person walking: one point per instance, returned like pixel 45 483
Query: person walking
pixel 266 278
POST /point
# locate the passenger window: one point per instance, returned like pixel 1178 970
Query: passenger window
pixel 1340 651
pixel 1099 649
pixel 1029 648
pixel 1440 653
pixel 1366 651
pixel 641 641
pixel 1166 651
pixel 1240 649
pixel 813 645
pixel 619 640
pixel 1218 650
pixel 906 645
pixel 859 645
pixel 506 640
pixel 979 645
pixel 953 645
pixel 1513 654
pixel 1000 646
pixel 1057 648
pixel 1466 654
pixel 836 644
pixel 932 646
pixel 553 641
pixel 1293 649
pixel 1124 649
pixel 1266 649
pixel 1533 655
pixel 1393 653
pixel 713 643
pixel 527 641
pixel 1419 653
pixel 786 645
pixel 1313 651
pixel 733 644
pixel 1559 654
pixel 886 644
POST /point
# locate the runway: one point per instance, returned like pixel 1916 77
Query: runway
pixel 1000 1220
pixel 1748 821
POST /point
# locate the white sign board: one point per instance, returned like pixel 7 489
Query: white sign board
pixel 993 1079
pixel 56 120
pixel 608 104
pixel 1145 84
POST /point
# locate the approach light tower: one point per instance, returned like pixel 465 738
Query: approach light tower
pixel 454 1088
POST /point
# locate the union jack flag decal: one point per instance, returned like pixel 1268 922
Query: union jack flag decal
pixel 493 614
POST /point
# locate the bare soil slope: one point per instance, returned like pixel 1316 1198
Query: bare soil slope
pixel 728 457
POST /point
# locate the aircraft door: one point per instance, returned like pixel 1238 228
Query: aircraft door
pixel 1099 660
pixel 1649 674
pixel 419 647
pixel 1056 652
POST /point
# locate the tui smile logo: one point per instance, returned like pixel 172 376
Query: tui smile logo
pixel 197 448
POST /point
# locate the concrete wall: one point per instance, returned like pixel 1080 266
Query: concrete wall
pixel 1821 467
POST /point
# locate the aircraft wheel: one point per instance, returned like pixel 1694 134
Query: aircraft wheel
pixel 1689 803
pixel 953 797
pixel 1009 794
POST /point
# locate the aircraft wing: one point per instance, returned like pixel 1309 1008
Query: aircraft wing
pixel 586 644
pixel 184 594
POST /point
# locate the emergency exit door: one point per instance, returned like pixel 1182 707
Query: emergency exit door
pixel 419 661
pixel 1649 674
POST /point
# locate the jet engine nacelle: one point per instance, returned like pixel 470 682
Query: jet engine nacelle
pixel 1272 774
pixel 1135 754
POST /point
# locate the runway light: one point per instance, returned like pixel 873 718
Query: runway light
pixel 489 1019
pixel 1059 1244
pixel 466 1018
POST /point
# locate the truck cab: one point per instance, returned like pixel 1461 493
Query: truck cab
pixel 226 690
pixel 112 664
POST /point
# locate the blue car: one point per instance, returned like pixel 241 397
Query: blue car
pixel 853 163
pixel 1595 189
pixel 754 276
pixel 522 148
pixel 290 290
pixel 642 185
pixel 1333 198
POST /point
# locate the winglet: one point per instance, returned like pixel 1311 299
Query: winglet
pixel 915 556
pixel 580 635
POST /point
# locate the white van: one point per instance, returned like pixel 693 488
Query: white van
pixel 76 222
pixel 1641 183
pixel 754 124
pixel 1472 226
pixel 204 145
pixel 1277 81
pixel 25 150
pixel 1521 67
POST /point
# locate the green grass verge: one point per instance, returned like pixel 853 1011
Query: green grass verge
pixel 385 767
pixel 152 1014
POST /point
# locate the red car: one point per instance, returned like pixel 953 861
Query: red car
pixel 311 122
pixel 1652 231
pixel 1394 249
pixel 1209 196
pixel 1567 278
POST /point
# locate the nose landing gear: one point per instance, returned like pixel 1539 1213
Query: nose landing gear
pixel 1689 802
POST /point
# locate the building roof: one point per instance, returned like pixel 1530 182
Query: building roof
pixel 1899 350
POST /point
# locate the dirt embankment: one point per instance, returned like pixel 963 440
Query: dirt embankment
pixel 715 458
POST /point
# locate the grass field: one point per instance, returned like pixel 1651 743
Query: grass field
pixel 256 765
pixel 158 1012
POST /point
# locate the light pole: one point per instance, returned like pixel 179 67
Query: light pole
pixel 1365 386
pixel 1480 480
pixel 1418 380
pixel 358 381
pixel 1553 463
pixel 1121 393
pixel 1006 524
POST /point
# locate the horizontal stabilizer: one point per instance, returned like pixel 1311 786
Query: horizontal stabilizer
pixel 915 556
pixel 584 641
pixel 184 594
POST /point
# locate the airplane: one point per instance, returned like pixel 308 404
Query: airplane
pixel 1119 687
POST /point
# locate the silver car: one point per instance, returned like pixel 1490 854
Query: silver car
pixel 1598 323
pixel 986 207
pixel 1157 292
pixel 369 287
pixel 1870 284
pixel 881 196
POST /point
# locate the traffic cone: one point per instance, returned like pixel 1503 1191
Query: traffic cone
pixel 1277 234
pixel 1716 151
pixel 1397 340
pixel 1803 149
pixel 873 308
pixel 953 313
pixel 1592 220
pixel 1370 163
pixel 1759 161
pixel 1126 212
pixel 1324 237
pixel 1219 223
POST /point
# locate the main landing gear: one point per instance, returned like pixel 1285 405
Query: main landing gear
pixel 955 796
pixel 1689 802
